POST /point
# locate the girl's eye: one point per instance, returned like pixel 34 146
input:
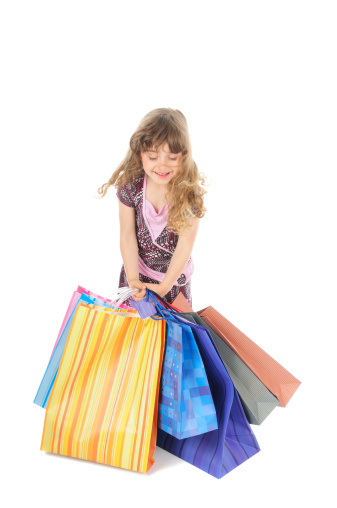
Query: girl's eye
pixel 154 159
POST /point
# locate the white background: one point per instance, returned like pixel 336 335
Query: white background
pixel 257 83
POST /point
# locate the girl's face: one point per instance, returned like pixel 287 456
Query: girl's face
pixel 161 166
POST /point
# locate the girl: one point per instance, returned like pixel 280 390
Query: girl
pixel 160 205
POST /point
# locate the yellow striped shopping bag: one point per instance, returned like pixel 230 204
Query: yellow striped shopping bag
pixel 104 403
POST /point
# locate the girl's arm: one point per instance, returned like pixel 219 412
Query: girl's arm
pixel 179 259
pixel 129 248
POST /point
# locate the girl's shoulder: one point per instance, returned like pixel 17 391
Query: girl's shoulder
pixel 131 193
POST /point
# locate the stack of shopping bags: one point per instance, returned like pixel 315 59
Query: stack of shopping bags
pixel 122 379
pixel 103 379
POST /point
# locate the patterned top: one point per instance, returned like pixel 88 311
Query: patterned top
pixel 153 256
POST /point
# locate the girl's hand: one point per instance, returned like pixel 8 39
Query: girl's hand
pixel 140 285
pixel 157 288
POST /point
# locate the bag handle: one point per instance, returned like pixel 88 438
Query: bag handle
pixel 168 305
pixel 162 310
pixel 123 294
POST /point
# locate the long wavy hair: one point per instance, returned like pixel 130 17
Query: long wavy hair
pixel 184 194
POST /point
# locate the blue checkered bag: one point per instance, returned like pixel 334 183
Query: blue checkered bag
pixel 186 405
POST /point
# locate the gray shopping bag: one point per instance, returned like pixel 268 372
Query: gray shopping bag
pixel 257 401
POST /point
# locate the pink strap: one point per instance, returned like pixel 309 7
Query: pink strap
pixel 159 276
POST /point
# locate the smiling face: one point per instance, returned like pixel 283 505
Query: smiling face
pixel 161 166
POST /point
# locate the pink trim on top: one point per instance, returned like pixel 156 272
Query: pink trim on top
pixel 147 215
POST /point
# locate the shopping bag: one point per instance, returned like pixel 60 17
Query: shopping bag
pixel 257 401
pixel 186 406
pixel 219 451
pixel 43 393
pixel 276 378
pixel 100 300
pixel 104 403
pixel 181 303
pixel 72 304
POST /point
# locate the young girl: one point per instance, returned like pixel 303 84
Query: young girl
pixel 160 205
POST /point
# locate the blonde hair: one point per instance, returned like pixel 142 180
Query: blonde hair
pixel 185 194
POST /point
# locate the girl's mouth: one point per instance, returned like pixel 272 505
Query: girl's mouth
pixel 162 175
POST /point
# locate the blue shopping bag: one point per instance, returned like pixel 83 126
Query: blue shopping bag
pixel 186 406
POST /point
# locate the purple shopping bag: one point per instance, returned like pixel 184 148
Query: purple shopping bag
pixel 219 451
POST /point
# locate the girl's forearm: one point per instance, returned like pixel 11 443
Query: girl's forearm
pixel 129 251
pixel 178 263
